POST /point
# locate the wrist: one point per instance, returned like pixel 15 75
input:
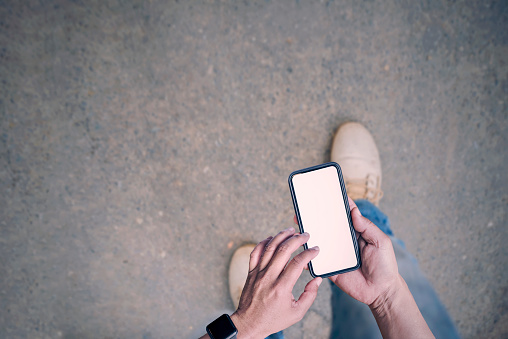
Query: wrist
pixel 244 328
pixel 397 313
pixel 389 299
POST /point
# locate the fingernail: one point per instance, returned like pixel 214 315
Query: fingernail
pixel 319 281
pixel 315 248
pixel 305 233
pixel 289 229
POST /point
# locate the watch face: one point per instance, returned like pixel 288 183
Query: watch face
pixel 222 328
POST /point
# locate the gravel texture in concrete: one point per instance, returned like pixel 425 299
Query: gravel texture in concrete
pixel 141 142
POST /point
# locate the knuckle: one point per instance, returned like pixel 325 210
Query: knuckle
pixel 281 233
pixel 260 282
pixel 257 284
pixel 369 223
pixel 283 247
pixel 270 248
pixel 298 260
pixel 384 240
pixel 303 237
pixel 278 292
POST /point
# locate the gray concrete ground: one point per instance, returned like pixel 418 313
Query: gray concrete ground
pixel 143 141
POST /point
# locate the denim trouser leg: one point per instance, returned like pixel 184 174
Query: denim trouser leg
pixel 278 335
pixel 353 319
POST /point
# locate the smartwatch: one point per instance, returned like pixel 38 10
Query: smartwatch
pixel 222 328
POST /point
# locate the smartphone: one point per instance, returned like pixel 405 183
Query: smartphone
pixel 322 210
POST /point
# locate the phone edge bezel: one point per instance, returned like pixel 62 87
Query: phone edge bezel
pixel 348 213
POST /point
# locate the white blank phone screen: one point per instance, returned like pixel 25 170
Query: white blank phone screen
pixel 323 216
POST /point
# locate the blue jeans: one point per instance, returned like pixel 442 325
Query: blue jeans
pixel 353 319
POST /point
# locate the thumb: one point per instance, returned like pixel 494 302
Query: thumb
pixel 309 295
pixel 368 231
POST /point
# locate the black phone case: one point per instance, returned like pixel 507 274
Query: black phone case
pixel 348 212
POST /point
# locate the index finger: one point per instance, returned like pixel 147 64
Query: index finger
pixel 284 251
pixel 296 265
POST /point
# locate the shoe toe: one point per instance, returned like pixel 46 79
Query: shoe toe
pixel 353 140
pixel 355 150
pixel 238 271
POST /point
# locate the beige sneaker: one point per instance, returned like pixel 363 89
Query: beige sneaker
pixel 355 151
pixel 238 271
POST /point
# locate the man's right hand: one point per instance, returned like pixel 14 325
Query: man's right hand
pixel 378 277
pixel 378 283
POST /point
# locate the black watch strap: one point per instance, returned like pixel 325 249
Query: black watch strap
pixel 222 328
